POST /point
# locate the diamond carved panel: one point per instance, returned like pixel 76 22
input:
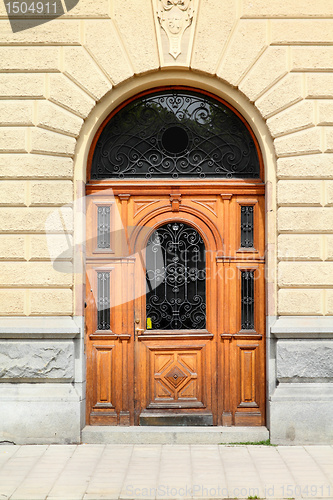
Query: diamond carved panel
pixel 176 378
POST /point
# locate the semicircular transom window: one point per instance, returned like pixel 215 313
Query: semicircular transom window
pixel 176 278
pixel 175 133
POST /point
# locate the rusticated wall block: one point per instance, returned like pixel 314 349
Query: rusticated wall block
pixel 304 361
pixel 36 361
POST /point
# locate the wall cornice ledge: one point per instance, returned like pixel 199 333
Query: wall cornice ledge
pixel 55 327
pixel 302 327
pixel 303 392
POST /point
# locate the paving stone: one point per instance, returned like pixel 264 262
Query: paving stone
pixel 93 472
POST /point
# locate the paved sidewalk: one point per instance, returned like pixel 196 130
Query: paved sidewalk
pixel 93 472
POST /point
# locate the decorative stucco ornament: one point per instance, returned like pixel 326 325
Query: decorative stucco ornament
pixel 175 16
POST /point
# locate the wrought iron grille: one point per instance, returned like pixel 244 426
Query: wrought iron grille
pixel 103 301
pixel 247 226
pixel 176 278
pixel 175 133
pixel 247 300
pixel 103 227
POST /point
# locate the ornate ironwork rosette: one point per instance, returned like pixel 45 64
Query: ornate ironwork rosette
pixel 175 134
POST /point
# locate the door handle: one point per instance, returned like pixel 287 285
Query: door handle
pixel 139 331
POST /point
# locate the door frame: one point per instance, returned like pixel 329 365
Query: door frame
pixel 235 348
pixel 226 188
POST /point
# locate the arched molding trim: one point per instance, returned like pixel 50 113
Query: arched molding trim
pixel 203 225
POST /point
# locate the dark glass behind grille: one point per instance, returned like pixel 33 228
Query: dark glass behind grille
pixel 175 133
pixel 176 278
pixel 103 301
pixel 103 227
pixel 247 300
pixel 247 226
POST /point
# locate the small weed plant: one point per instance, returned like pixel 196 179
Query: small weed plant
pixel 252 443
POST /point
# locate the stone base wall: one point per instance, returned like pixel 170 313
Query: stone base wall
pixel 40 413
pixel 301 395
pixel 302 414
pixel 42 389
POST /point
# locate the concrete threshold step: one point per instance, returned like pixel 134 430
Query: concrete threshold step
pixel 172 435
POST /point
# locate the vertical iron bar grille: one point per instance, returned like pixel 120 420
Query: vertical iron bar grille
pixel 247 226
pixel 176 278
pixel 247 317
pixel 103 227
pixel 103 301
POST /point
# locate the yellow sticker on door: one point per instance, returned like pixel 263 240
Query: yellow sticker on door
pixel 149 324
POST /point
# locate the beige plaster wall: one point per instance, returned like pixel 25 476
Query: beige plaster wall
pixel 276 56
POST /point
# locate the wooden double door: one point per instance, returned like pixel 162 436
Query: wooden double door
pixel 175 303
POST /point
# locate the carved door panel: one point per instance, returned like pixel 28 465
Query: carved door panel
pixel 242 348
pixel 193 352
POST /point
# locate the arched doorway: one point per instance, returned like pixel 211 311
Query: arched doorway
pixel 170 161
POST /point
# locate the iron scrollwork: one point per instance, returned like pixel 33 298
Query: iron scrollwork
pixel 176 282
pixel 103 227
pixel 247 300
pixel 175 133
pixel 247 226
pixel 103 301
